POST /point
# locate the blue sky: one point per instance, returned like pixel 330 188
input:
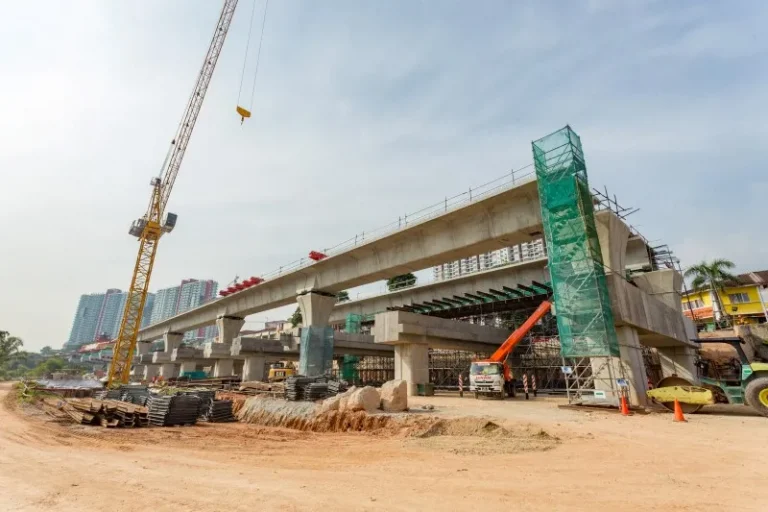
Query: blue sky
pixel 363 111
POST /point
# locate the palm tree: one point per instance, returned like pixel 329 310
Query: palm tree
pixel 713 276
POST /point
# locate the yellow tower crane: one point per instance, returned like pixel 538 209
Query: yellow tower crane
pixel 156 222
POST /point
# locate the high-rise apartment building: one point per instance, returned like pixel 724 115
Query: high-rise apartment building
pixel 522 252
pixel 177 299
pixel 99 315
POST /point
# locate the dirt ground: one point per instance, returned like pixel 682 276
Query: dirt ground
pixel 556 459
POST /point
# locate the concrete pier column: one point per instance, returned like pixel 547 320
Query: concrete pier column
pixel 315 309
pixel 631 361
pixel 316 352
pixel 169 371
pixel 138 371
pixel 151 371
pixel 223 368
pixel 187 366
pixel 172 340
pixel 253 368
pixel 142 348
pixel 412 365
pixel 679 361
pixel 229 328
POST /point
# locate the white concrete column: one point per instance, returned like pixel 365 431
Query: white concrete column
pixel 229 328
pixel 142 348
pixel 172 340
pixel 169 371
pixel 679 361
pixel 151 371
pixel 223 368
pixel 412 365
pixel 632 364
pixel 253 368
pixel 315 309
pixel 187 366
pixel 138 371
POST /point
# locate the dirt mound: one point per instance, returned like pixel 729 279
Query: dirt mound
pixel 463 427
pixel 468 436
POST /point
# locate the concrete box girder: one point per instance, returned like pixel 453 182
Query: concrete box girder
pixel 507 218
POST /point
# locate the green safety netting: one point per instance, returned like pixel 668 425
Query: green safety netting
pixel 583 307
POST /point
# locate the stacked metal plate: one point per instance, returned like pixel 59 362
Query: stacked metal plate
pixel 220 411
pixel 294 388
pixel 173 410
pixel 206 396
pixel 336 386
pixel 134 394
pixel 316 391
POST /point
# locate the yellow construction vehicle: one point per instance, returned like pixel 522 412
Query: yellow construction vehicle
pixel 156 221
pixel 278 372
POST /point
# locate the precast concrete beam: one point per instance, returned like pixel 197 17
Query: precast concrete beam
pixel 663 285
pixel 488 222
pixel 613 235
pixel 401 327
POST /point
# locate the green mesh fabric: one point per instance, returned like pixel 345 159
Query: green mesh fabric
pixel 582 304
pixel 349 371
pixel 353 323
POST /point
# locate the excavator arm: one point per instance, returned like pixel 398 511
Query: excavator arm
pixel 503 351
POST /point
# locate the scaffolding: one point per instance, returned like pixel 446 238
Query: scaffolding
pixel 584 316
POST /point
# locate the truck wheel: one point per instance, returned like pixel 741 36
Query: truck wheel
pixel 756 395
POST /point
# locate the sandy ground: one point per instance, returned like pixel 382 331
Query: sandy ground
pixel 598 462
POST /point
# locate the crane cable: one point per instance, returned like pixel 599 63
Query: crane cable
pixel 240 110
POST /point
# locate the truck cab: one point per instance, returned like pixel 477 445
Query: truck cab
pixel 491 379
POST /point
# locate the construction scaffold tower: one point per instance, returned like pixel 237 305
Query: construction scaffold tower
pixel 583 308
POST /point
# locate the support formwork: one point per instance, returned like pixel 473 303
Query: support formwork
pixel 366 370
pixel 445 366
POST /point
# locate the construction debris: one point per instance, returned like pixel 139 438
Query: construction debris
pixel 107 413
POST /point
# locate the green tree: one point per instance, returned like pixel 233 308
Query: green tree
pixel 401 281
pixel 48 366
pixel 342 296
pixel 713 276
pixel 9 346
pixel 46 351
pixel 296 317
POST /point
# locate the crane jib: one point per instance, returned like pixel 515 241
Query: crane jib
pixel 151 227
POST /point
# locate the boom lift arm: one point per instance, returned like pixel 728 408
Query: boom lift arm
pixel 503 351
pixel 149 228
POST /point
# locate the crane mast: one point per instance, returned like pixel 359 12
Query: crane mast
pixel 149 228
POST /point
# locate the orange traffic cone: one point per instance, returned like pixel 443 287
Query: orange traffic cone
pixel 679 412
pixel 624 406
